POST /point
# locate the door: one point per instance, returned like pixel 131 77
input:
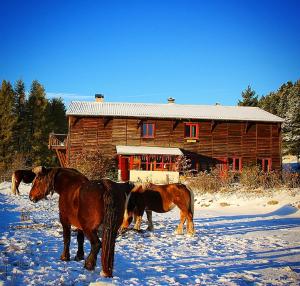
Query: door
pixel 124 169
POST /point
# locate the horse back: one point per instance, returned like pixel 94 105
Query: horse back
pixel 27 176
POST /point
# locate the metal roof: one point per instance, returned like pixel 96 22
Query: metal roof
pixel 141 150
pixel 170 110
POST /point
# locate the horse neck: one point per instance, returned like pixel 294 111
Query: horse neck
pixel 65 178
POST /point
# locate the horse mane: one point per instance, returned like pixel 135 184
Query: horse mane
pixel 141 187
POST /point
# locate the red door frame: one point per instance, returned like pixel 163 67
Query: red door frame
pixel 124 167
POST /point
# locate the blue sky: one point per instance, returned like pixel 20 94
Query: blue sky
pixel 199 52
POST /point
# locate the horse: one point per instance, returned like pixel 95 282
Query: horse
pixel 18 176
pixel 85 205
pixel 161 199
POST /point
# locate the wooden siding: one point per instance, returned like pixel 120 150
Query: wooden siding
pixel 216 139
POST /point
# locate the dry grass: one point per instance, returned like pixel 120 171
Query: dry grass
pixel 224 204
pixel 250 179
pixel 273 202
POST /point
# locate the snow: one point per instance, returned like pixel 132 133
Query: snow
pixel 241 239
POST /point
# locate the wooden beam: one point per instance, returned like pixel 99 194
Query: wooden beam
pixel 106 120
pixel 140 122
pixel 278 128
pixel 175 124
pixel 247 126
pixel 213 125
pixel 75 120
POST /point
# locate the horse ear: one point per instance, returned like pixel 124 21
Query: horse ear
pixel 39 170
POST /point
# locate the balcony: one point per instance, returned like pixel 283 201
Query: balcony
pixel 57 141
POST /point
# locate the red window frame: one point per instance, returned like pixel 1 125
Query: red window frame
pixel 147 135
pixel 190 125
pixel 265 167
pixel 236 164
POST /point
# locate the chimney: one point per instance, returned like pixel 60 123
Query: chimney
pixel 99 97
pixel 171 100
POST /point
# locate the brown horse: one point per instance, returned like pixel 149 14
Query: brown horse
pixel 161 199
pixel 85 205
pixel 17 177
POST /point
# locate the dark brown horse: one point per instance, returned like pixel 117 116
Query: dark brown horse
pixel 161 199
pixel 19 176
pixel 85 205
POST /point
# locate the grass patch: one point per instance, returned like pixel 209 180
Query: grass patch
pixel 273 202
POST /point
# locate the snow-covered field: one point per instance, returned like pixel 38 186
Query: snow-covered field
pixel 240 240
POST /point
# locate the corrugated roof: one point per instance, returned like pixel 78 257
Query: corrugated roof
pixel 171 110
pixel 141 150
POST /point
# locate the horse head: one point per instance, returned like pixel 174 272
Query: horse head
pixel 43 183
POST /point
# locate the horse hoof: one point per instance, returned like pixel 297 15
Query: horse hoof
pixel 65 258
pixel 150 228
pixel 79 257
pixel 105 274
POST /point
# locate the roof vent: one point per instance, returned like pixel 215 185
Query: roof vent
pixel 99 97
pixel 171 100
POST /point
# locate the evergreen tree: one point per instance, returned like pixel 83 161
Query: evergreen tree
pixel 7 122
pixel 37 124
pixel 20 111
pixel 56 116
pixel 291 125
pixel 249 97
pixel 56 123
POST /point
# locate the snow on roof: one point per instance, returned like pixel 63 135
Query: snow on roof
pixel 140 150
pixel 173 110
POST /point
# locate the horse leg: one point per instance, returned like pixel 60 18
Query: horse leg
pixel 150 222
pixel 138 222
pixel 65 256
pixel 190 224
pixel 91 260
pixel 80 240
pixel 17 188
pixel 179 229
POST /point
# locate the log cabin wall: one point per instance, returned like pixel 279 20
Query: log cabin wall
pixel 217 139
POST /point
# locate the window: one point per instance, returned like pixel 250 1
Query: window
pixel 265 164
pixel 235 164
pixel 191 130
pixel 148 130
pixel 153 163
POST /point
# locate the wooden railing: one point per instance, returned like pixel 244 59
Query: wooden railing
pixel 57 141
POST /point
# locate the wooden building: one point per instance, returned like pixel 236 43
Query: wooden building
pixel 148 139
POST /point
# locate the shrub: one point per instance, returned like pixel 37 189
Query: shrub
pixel 95 165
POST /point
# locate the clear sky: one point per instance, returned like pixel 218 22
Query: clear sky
pixel 199 52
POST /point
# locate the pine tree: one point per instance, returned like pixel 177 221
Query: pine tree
pixel 291 125
pixel 36 124
pixel 7 122
pixel 20 111
pixel 249 97
pixel 56 116
pixel 56 123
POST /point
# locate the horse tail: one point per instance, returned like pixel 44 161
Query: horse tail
pixel 192 200
pixel 113 217
pixel 13 184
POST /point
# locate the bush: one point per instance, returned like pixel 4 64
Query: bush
pixel 250 178
pixel 212 181
pixel 95 165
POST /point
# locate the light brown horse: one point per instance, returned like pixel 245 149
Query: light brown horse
pixel 161 199
pixel 85 205
pixel 19 176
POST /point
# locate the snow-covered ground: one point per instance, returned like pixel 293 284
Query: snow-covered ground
pixel 241 239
